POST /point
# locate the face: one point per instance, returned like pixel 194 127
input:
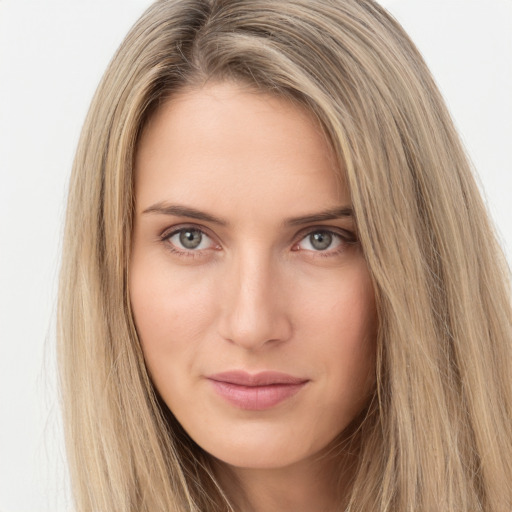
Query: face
pixel 250 293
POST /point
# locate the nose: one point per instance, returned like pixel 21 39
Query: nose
pixel 255 310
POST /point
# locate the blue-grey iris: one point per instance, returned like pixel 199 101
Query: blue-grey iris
pixel 191 238
pixel 321 240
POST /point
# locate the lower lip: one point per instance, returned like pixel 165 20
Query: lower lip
pixel 256 398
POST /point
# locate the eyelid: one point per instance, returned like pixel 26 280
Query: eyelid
pixel 176 228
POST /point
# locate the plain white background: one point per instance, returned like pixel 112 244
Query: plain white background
pixel 52 54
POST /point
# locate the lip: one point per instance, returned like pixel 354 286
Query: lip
pixel 256 392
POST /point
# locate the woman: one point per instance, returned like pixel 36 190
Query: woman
pixel 280 289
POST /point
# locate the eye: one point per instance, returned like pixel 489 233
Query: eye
pixel 324 240
pixel 319 241
pixel 189 239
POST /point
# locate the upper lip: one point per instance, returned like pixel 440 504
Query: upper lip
pixel 265 378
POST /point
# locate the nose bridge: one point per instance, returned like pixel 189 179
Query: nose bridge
pixel 254 313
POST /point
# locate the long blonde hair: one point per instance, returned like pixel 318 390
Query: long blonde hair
pixel 438 434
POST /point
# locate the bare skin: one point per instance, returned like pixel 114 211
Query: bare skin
pixel 245 260
pixel 311 485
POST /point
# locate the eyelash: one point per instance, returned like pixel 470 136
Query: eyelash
pixel 345 238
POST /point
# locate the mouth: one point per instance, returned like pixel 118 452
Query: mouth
pixel 256 392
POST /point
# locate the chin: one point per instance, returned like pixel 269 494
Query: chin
pixel 265 446
pixel 256 457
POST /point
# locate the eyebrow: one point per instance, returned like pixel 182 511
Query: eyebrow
pixel 184 211
pixel 330 214
pixel 164 208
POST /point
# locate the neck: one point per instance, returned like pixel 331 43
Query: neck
pixel 318 484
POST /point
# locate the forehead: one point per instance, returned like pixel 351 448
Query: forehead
pixel 230 148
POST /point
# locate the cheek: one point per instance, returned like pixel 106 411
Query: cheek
pixel 172 314
pixel 340 308
pixel 342 323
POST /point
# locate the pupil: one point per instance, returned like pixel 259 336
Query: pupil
pixel 321 240
pixel 190 238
